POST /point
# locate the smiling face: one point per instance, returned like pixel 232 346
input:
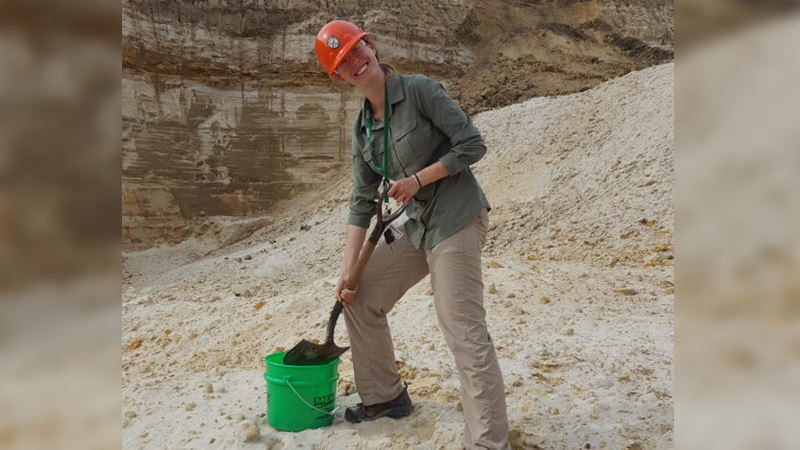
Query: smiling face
pixel 360 65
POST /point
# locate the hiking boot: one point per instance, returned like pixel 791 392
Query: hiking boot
pixel 401 406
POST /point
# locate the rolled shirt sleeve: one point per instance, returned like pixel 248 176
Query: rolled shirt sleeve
pixel 363 201
pixel 468 147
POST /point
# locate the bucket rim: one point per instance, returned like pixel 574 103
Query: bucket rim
pixel 289 366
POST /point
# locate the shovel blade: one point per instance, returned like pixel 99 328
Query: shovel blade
pixel 307 353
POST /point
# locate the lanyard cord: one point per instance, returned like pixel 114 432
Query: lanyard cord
pixel 368 120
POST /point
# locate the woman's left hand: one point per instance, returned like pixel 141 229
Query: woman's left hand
pixel 402 191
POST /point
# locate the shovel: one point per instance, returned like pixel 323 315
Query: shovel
pixel 307 353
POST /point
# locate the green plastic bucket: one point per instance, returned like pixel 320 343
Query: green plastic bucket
pixel 300 397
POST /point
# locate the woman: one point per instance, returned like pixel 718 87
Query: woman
pixel 431 143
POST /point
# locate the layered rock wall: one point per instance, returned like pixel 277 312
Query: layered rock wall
pixel 226 112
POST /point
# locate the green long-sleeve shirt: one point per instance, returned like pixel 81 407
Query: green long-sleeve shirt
pixel 425 126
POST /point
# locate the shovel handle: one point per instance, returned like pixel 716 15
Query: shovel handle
pixel 361 263
pixel 351 283
pixel 337 309
pixel 369 246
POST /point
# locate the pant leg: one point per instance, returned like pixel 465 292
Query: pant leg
pixel 455 266
pixel 385 279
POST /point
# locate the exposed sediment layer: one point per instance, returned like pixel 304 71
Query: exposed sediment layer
pixel 225 111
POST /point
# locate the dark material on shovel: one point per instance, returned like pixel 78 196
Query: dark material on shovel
pixel 307 353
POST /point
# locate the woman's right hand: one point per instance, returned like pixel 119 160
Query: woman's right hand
pixel 346 296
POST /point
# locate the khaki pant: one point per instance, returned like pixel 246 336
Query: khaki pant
pixel 455 267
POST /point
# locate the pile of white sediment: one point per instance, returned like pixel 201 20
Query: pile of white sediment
pixel 579 297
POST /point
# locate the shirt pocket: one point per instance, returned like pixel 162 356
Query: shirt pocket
pixel 414 143
pixel 373 158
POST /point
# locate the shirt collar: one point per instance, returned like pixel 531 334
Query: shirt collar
pixel 396 95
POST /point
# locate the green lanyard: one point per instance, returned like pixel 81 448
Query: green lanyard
pixel 368 123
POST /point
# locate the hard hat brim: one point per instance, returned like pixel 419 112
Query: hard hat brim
pixel 345 50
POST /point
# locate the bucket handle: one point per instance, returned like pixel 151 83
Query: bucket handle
pixel 331 413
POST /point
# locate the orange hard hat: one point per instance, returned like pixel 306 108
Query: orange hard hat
pixel 334 41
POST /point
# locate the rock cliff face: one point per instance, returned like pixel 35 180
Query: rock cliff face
pixel 225 111
pixel 192 150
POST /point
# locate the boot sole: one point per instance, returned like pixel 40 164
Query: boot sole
pixel 394 414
